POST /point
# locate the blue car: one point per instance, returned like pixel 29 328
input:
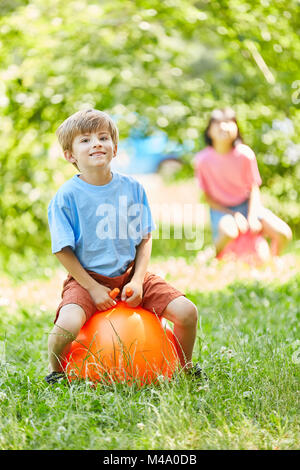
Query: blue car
pixel 140 154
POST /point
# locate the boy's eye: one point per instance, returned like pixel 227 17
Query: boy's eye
pixel 87 139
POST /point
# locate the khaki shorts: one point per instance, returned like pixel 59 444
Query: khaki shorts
pixel 157 293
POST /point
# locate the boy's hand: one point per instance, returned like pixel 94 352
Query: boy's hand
pixel 101 297
pixel 254 224
pixel 241 222
pixel 132 294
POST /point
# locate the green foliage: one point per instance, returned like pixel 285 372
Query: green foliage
pixel 171 61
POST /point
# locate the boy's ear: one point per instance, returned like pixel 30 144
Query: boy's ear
pixel 69 156
pixel 115 150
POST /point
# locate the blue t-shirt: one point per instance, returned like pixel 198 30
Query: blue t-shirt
pixel 102 224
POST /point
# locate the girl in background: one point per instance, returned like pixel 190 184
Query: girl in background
pixel 228 175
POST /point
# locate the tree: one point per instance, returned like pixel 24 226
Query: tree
pixel 171 61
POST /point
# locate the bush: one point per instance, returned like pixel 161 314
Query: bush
pixel 172 63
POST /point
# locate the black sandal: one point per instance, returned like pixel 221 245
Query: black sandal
pixel 55 377
pixel 196 372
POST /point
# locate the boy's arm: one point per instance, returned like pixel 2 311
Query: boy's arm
pixel 142 259
pixel 99 293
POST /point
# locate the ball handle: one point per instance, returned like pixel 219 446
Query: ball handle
pixel 128 292
pixel 114 293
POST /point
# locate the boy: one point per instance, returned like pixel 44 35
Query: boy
pixel 100 224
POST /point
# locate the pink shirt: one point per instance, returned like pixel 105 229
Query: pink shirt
pixel 227 178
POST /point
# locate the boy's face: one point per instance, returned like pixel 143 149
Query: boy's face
pixel 91 151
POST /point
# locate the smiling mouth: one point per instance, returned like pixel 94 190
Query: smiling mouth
pixel 97 154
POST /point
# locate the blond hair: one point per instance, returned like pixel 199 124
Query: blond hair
pixel 86 121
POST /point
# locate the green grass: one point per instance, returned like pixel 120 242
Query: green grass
pixel 247 343
pixel 41 264
pixel 20 267
pixel 163 247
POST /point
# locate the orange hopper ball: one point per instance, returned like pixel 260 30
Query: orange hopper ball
pixel 123 344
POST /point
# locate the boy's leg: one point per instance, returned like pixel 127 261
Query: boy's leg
pixel 165 300
pixel 70 320
pixel 183 313
pixel 276 229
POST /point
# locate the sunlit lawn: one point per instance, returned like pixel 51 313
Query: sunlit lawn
pixel 247 341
